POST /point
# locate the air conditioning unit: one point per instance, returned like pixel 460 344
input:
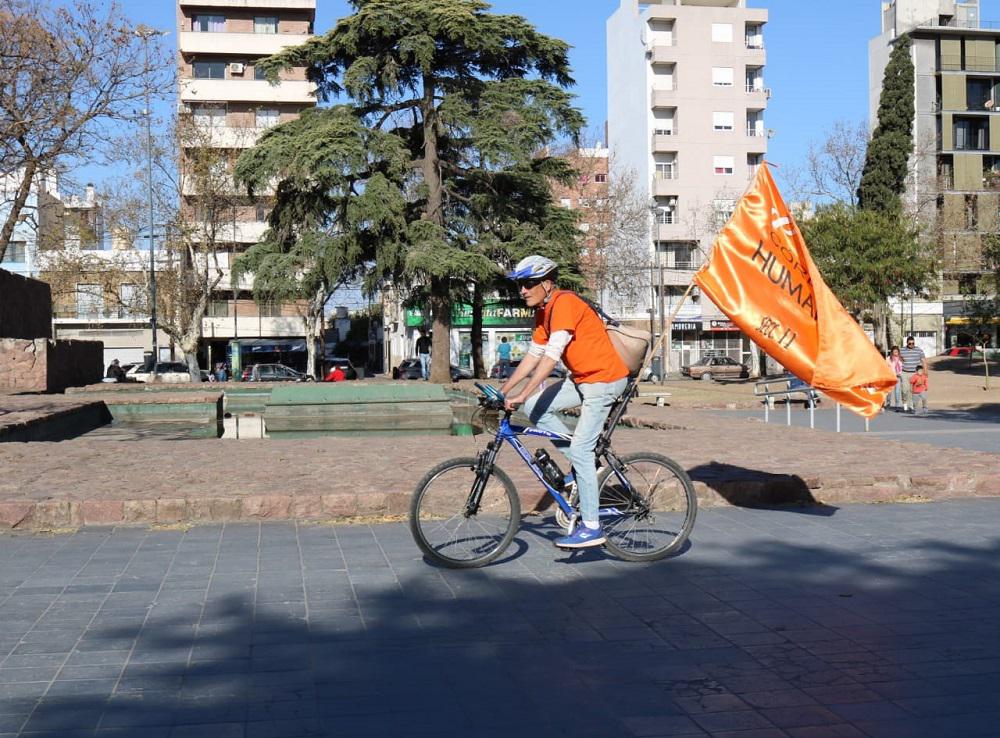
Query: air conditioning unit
pixel 236 68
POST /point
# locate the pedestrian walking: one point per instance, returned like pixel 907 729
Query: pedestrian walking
pixel 895 398
pixel 911 358
pixel 503 356
pixel 424 354
pixel 919 384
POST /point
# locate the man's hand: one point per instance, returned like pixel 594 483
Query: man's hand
pixel 512 403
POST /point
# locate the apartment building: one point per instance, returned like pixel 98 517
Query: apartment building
pixel 21 255
pixel 955 169
pixel 686 104
pixel 223 89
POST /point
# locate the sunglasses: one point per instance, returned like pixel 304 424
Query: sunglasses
pixel 528 284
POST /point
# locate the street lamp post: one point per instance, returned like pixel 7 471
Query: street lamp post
pixel 146 33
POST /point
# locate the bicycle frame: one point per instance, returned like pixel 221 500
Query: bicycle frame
pixel 510 434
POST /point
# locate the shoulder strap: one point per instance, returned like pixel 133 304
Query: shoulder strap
pixel 592 305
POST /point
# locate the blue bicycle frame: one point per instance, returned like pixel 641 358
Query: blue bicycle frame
pixel 510 433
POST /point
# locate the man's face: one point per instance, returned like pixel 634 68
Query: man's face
pixel 533 291
pixel 909 344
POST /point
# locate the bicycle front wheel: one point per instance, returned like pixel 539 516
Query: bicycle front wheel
pixel 462 519
pixel 650 516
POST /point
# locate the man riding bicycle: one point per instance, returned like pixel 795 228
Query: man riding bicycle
pixel 567 328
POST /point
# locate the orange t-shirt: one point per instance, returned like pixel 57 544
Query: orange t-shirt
pixel 590 355
pixel 919 383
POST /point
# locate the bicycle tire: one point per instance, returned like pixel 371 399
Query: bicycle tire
pixel 658 525
pixel 485 537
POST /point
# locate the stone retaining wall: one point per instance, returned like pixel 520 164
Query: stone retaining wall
pixel 25 307
pixel 43 365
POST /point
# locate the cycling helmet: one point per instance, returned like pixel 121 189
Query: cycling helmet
pixel 533 267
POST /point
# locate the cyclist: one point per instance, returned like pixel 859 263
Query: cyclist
pixel 567 328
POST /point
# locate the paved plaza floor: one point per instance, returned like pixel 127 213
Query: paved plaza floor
pixel 867 620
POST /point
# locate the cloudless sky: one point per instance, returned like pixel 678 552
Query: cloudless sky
pixel 817 57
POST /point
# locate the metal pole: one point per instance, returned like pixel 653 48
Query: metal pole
pixel 664 343
pixel 838 417
pixel 788 410
pixel 146 33
pixel 812 413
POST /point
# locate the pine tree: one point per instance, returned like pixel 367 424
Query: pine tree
pixel 471 98
pixel 883 179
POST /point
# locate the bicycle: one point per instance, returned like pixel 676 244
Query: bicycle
pixel 465 511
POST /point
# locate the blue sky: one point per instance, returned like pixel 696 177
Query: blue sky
pixel 817 57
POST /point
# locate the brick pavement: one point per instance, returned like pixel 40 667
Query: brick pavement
pixel 795 623
pixel 85 481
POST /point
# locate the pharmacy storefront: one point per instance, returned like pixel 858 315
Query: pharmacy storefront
pixel 501 319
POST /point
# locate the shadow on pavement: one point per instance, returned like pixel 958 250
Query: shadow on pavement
pixel 745 487
pixel 773 633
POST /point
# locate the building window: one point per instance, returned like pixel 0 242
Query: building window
pixel 723 211
pixel 971 212
pixel 126 296
pixel 89 301
pixel 258 72
pixel 722 76
pixel 270 309
pixel 210 70
pixel 566 202
pixel 261 213
pixel 722 33
pixel 209 24
pixel 722 165
pixel 219 309
pixel 972 134
pixel 753 164
pixel 265 24
pixel 600 178
pixel 755 36
pixel 666 211
pixel 266 117
pixel 16 253
pixel 666 169
pixel 723 121
pixel 210 116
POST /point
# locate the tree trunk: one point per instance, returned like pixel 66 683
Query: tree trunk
pixel 314 333
pixel 17 206
pixel 440 286
pixel 880 317
pixel 478 365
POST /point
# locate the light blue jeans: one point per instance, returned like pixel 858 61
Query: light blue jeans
pixel 595 402
pixel 425 365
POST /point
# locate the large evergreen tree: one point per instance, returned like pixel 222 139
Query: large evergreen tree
pixel 471 98
pixel 883 179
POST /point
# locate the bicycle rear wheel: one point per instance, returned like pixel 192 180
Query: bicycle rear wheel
pixel 655 517
pixel 462 519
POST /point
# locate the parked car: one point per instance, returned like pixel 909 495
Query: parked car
pixel 171 372
pixel 959 351
pixel 349 370
pixel 504 372
pixel 410 369
pixel 715 367
pixel 275 373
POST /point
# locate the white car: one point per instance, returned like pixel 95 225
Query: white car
pixel 171 372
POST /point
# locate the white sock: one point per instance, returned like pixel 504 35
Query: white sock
pixel 591 526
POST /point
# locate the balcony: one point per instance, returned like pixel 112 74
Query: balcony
pixel 664 140
pixel 246 231
pixel 663 183
pixel 253 327
pixel 238 44
pixel 99 314
pixel 670 231
pixel 663 98
pixel 758 91
pixel 224 137
pixel 247 90
pixel 663 53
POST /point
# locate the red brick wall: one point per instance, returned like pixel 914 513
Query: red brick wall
pixel 25 307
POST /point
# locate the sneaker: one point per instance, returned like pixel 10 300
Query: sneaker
pixel 582 537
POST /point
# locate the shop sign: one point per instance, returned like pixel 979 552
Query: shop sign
pixel 687 326
pixel 495 313
pixel 722 325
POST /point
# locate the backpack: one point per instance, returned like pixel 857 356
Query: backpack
pixel 632 344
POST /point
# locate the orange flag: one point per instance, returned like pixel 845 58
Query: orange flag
pixel 761 275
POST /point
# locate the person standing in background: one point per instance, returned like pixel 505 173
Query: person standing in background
pixel 911 358
pixel 895 398
pixel 503 356
pixel 424 354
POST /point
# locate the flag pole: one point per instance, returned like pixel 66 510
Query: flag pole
pixel 668 328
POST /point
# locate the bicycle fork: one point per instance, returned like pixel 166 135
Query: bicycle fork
pixel 483 468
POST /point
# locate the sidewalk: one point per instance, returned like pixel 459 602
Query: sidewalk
pixel 93 482
pixel 872 621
